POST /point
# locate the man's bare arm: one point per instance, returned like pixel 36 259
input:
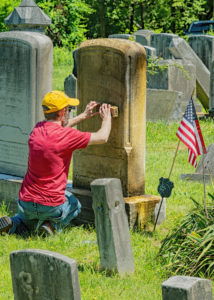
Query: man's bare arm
pixel 102 135
pixel 88 113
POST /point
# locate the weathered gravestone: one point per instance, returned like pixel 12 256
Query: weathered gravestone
pixel 181 50
pixel 112 71
pixel 70 86
pixel 205 168
pixel 187 288
pixel 25 77
pixel 40 275
pixel 161 42
pixel 112 226
pixel 203 45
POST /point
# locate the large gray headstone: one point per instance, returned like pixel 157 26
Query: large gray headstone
pixel 41 275
pixel 161 42
pixel 181 50
pixel 187 288
pixel 70 86
pixel 112 226
pixel 25 77
pixel 28 16
pixel 203 45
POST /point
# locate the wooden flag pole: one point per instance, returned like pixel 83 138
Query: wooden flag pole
pixel 174 158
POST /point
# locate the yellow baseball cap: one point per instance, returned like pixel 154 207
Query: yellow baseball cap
pixel 57 100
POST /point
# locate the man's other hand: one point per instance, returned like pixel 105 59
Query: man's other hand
pixel 89 110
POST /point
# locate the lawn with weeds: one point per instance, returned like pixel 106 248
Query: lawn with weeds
pixel 80 243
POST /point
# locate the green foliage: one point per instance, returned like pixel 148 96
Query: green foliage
pixel 153 66
pixel 189 248
pixel 69 19
pixel 6 7
pixel 62 56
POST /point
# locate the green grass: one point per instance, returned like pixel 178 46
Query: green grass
pixel 149 273
pixel 146 282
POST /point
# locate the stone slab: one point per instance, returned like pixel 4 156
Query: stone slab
pixel 25 77
pixel 182 50
pixel 112 226
pixel 9 191
pixel 146 33
pixel 196 177
pixel 150 51
pixel 161 41
pixel 113 71
pixel 207 162
pixel 187 288
pixel 163 105
pixel 70 86
pixel 179 76
pixel 203 45
pixel 39 274
pixel 141 39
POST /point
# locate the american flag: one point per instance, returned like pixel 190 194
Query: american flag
pixel 189 132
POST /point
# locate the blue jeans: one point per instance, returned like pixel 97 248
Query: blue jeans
pixel 33 214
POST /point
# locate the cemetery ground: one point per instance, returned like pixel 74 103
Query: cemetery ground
pixel 80 243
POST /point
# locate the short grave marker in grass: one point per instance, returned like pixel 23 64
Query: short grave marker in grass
pixel 187 288
pixel 39 274
pixel 112 226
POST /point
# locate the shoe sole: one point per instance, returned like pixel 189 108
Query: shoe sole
pixel 5 224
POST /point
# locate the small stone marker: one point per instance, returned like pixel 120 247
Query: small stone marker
pixel 70 86
pixel 41 275
pixel 187 288
pixel 112 226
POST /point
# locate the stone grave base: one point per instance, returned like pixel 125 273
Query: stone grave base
pixel 140 209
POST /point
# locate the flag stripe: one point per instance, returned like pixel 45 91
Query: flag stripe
pixel 187 142
pixel 189 133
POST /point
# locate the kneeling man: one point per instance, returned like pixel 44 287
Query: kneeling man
pixel 44 204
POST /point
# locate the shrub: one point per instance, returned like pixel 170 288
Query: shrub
pixel 189 248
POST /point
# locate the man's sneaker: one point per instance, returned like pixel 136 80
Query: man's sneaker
pixel 46 229
pixel 5 224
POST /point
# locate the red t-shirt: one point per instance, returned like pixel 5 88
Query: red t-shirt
pixel 50 152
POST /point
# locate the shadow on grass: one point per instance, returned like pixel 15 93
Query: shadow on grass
pixel 93 268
